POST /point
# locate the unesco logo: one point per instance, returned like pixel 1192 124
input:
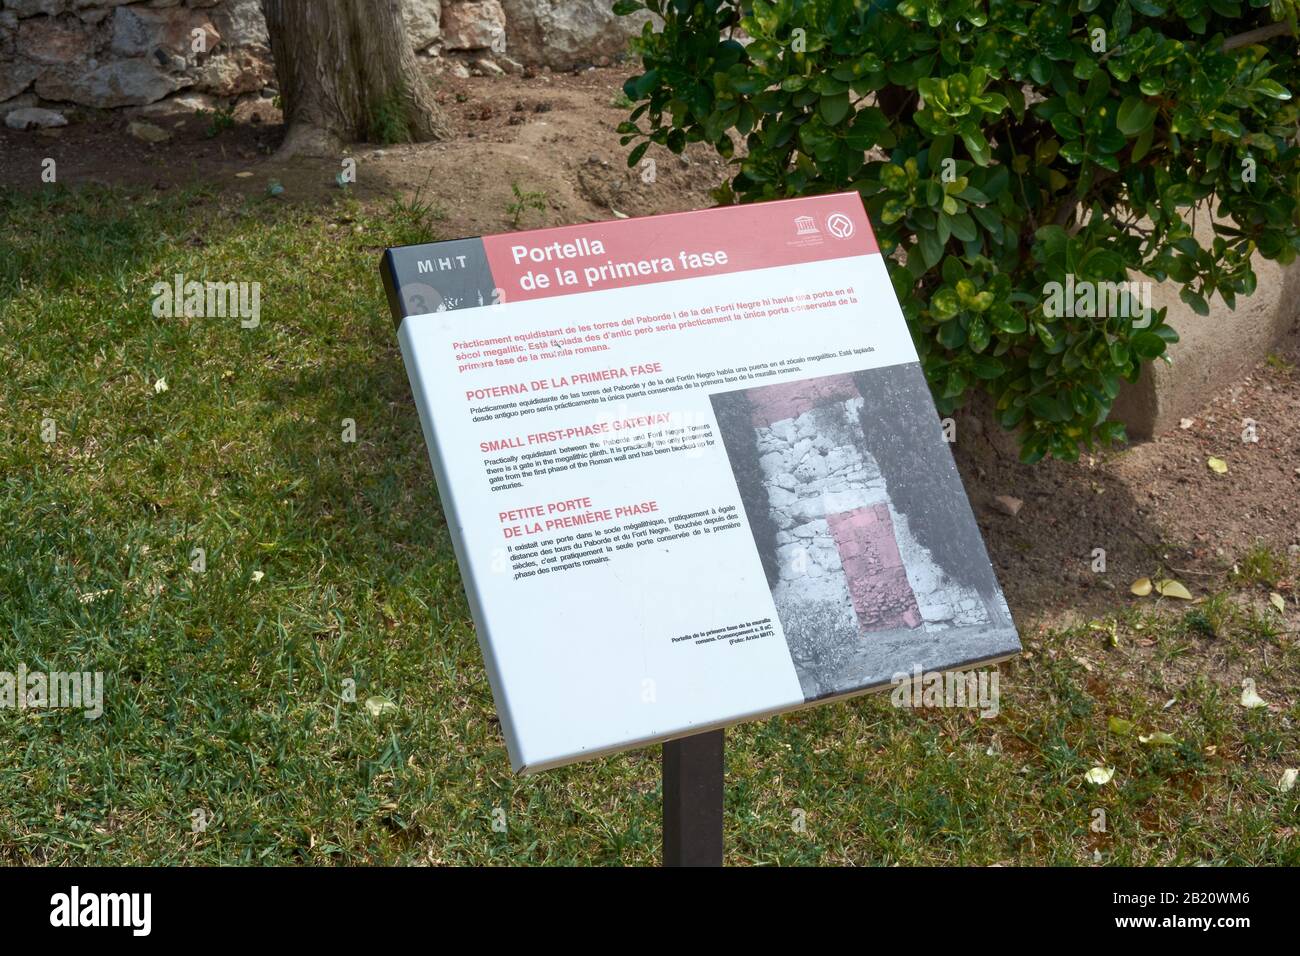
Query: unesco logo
pixel 839 225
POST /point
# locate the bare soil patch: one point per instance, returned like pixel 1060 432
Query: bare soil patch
pixel 550 134
pixel 1156 508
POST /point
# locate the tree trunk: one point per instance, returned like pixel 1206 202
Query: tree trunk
pixel 347 73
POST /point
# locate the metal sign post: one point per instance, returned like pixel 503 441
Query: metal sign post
pixel 693 787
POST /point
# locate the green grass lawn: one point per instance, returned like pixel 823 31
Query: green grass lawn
pixel 329 561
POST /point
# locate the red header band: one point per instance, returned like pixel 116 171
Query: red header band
pixel 610 255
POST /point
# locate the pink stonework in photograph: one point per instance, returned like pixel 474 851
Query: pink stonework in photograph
pixel 774 403
pixel 873 567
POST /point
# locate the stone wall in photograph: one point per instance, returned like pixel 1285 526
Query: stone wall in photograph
pixel 109 54
pixel 853 585
pixel 836 528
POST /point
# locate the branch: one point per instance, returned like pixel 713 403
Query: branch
pixel 1069 206
pixel 1256 36
pixel 1066 210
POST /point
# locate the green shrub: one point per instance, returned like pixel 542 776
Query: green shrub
pixel 1000 147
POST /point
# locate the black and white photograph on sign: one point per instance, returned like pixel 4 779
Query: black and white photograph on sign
pixel 872 553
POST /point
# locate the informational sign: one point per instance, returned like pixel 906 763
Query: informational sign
pixel 692 472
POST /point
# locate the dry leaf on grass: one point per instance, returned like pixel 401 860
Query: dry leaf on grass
pixel 1249 698
pixel 1158 739
pixel 1100 775
pixel 1173 589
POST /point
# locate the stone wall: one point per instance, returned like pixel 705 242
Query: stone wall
pixel 93 53
pixel 1213 350
pixel 109 54
pixel 560 33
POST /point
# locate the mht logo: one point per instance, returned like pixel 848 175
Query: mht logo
pixel 455 275
pixel 103 909
pixel 442 264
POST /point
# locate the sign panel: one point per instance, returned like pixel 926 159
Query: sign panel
pixel 692 472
